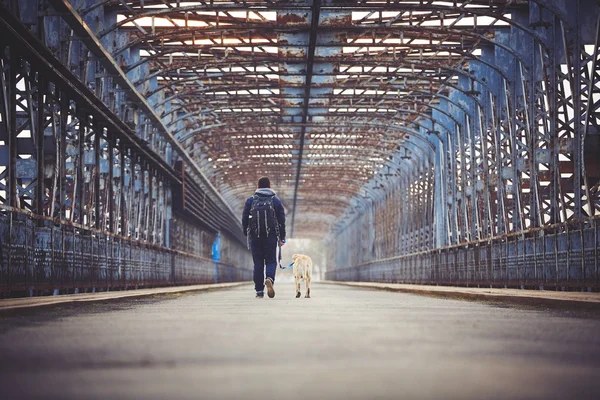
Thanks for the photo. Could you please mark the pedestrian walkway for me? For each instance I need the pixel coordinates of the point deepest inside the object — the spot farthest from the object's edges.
(343, 343)
(41, 301)
(516, 296)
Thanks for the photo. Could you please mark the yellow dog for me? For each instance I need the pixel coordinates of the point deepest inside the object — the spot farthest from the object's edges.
(302, 270)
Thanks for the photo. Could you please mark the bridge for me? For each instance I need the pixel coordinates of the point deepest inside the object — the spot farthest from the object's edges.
(441, 150)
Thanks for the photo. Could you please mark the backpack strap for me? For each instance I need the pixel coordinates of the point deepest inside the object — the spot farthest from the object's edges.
(275, 220)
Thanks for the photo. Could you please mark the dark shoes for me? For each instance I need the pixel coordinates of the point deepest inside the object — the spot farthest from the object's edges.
(269, 285)
(260, 295)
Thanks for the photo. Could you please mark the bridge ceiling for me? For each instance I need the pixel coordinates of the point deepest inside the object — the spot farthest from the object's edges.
(318, 95)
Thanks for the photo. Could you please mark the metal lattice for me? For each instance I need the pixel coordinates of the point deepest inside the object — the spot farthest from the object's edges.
(387, 128)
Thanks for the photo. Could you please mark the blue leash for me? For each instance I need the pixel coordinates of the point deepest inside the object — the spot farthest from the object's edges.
(279, 259)
(289, 266)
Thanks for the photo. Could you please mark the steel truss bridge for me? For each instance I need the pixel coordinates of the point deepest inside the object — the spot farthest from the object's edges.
(444, 142)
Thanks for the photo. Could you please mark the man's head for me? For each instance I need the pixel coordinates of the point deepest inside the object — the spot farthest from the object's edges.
(264, 182)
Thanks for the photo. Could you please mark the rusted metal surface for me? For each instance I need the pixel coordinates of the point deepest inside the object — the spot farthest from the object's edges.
(213, 61)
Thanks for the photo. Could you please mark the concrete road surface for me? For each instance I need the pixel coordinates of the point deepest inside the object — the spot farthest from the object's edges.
(344, 343)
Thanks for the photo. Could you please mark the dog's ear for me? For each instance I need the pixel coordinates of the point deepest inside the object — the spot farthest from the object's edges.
(294, 257)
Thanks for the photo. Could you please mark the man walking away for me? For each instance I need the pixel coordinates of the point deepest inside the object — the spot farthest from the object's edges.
(263, 221)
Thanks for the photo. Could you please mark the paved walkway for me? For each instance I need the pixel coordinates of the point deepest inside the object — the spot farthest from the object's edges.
(42, 301)
(343, 343)
(516, 296)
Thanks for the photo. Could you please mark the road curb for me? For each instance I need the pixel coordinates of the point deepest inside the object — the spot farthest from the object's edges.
(43, 301)
(583, 300)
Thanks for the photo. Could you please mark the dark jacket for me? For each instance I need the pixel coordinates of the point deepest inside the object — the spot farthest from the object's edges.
(279, 211)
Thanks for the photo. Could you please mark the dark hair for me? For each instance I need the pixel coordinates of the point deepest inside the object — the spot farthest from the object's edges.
(264, 182)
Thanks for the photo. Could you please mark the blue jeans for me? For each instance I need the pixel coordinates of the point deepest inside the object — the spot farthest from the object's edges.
(264, 252)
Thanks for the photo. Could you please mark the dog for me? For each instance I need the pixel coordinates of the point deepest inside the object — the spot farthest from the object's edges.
(302, 270)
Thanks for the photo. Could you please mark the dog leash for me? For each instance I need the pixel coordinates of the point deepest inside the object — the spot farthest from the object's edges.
(279, 259)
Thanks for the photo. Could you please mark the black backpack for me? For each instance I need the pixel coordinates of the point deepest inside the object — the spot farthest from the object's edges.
(262, 217)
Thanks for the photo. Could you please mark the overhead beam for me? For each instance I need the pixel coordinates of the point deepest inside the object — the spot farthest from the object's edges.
(85, 34)
(310, 56)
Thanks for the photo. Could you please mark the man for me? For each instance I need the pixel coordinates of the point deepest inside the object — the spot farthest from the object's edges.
(263, 221)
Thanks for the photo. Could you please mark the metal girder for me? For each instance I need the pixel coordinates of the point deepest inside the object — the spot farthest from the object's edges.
(80, 153)
(428, 123)
(515, 202)
(80, 27)
(213, 64)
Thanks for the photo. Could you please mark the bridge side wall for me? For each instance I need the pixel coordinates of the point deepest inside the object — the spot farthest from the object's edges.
(512, 195)
(95, 193)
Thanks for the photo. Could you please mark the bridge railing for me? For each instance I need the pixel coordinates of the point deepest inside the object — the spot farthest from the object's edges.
(563, 256)
(39, 255)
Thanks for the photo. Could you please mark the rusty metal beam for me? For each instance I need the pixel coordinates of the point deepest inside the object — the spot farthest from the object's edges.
(310, 56)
